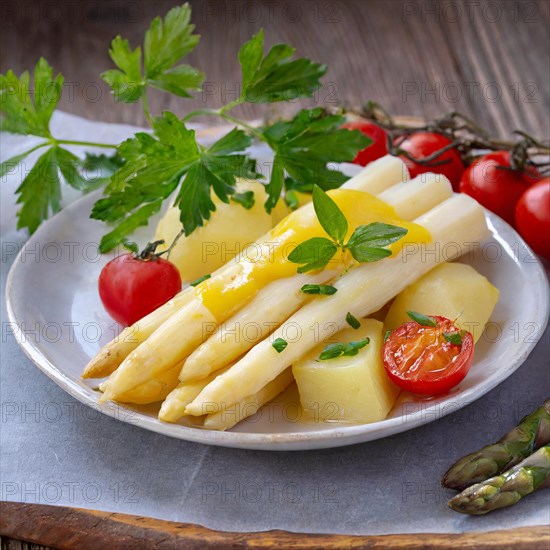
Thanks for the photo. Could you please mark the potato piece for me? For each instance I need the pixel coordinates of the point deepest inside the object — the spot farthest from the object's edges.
(349, 389)
(452, 290)
(229, 230)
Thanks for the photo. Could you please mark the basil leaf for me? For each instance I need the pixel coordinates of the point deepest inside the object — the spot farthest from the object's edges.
(330, 217)
(315, 253)
(366, 254)
(376, 235)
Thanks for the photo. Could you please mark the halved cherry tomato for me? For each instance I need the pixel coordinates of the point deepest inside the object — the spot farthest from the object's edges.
(131, 287)
(421, 360)
(424, 144)
(379, 146)
(533, 217)
(492, 182)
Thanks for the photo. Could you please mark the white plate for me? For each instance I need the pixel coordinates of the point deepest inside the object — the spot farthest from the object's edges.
(60, 323)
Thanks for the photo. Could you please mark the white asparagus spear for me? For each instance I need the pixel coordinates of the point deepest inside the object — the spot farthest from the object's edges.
(173, 409)
(455, 225)
(275, 303)
(375, 178)
(174, 340)
(113, 353)
(187, 328)
(272, 306)
(225, 417)
(154, 390)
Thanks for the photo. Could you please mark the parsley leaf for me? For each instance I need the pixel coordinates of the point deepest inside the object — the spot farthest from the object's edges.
(127, 83)
(39, 193)
(167, 41)
(279, 345)
(352, 321)
(305, 145)
(245, 199)
(291, 200)
(333, 351)
(387, 335)
(421, 319)
(275, 77)
(154, 169)
(9, 165)
(24, 112)
(326, 290)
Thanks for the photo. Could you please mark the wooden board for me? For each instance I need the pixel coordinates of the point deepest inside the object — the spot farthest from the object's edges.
(70, 528)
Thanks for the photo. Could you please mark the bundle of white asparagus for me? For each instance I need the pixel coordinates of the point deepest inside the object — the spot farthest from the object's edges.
(200, 362)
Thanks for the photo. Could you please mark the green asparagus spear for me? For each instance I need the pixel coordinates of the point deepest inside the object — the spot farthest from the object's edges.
(506, 489)
(531, 433)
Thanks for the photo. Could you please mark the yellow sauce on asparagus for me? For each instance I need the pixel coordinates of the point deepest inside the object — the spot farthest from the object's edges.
(268, 262)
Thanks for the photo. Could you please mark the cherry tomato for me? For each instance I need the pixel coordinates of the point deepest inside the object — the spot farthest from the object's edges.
(498, 189)
(421, 360)
(533, 217)
(379, 146)
(424, 144)
(131, 287)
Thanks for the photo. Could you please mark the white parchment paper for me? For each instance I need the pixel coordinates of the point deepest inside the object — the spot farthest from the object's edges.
(56, 451)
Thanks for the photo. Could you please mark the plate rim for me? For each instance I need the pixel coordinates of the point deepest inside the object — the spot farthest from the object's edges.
(287, 441)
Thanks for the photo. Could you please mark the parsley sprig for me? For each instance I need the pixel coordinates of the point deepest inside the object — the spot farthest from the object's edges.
(169, 159)
(366, 244)
(167, 42)
(28, 111)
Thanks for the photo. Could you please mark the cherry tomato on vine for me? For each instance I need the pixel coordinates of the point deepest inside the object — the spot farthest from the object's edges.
(132, 286)
(428, 360)
(533, 217)
(492, 182)
(379, 146)
(421, 145)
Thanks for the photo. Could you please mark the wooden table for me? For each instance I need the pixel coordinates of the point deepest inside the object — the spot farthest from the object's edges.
(487, 59)
(416, 57)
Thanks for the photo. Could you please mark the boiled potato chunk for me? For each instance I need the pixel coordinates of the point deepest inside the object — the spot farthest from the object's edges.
(228, 231)
(452, 290)
(347, 389)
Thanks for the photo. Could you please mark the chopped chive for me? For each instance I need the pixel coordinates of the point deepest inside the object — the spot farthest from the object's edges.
(352, 321)
(455, 337)
(332, 351)
(423, 320)
(200, 280)
(327, 290)
(279, 345)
